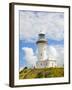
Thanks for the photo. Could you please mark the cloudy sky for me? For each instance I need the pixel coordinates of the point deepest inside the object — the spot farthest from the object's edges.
(31, 23)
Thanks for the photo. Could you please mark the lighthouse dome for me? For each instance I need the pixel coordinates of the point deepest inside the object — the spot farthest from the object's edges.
(42, 32)
(41, 37)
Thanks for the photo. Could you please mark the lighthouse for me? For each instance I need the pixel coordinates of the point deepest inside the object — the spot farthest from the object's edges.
(42, 50)
(43, 60)
(42, 47)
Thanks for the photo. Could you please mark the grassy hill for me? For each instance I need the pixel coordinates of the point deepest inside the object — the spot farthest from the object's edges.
(41, 73)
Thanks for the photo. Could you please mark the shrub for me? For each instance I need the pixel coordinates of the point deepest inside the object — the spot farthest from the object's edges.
(40, 75)
(25, 68)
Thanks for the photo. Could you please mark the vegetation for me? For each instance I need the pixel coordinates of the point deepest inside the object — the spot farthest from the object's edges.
(41, 73)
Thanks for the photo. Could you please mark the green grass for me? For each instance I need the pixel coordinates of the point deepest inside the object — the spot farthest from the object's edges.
(41, 73)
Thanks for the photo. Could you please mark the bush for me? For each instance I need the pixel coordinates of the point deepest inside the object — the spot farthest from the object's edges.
(25, 68)
(40, 75)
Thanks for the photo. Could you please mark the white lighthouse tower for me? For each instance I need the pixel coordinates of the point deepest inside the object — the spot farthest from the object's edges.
(42, 50)
(43, 61)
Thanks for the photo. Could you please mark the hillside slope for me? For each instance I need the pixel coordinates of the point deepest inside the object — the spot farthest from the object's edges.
(41, 73)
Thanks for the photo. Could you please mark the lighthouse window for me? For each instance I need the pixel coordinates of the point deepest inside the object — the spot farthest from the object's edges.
(41, 36)
(41, 64)
(41, 54)
(44, 48)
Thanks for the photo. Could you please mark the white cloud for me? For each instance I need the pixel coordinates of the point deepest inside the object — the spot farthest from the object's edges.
(60, 50)
(57, 53)
(30, 57)
(21, 68)
(54, 52)
(31, 23)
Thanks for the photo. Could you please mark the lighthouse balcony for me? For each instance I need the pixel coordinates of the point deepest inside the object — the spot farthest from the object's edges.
(41, 41)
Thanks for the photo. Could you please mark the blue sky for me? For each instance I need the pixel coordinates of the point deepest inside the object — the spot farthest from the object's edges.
(31, 23)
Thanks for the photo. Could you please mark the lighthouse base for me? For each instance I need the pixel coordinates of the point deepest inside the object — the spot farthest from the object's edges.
(46, 64)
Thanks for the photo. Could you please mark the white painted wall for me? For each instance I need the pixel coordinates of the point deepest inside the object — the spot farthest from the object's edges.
(42, 51)
(4, 45)
(46, 64)
(52, 64)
